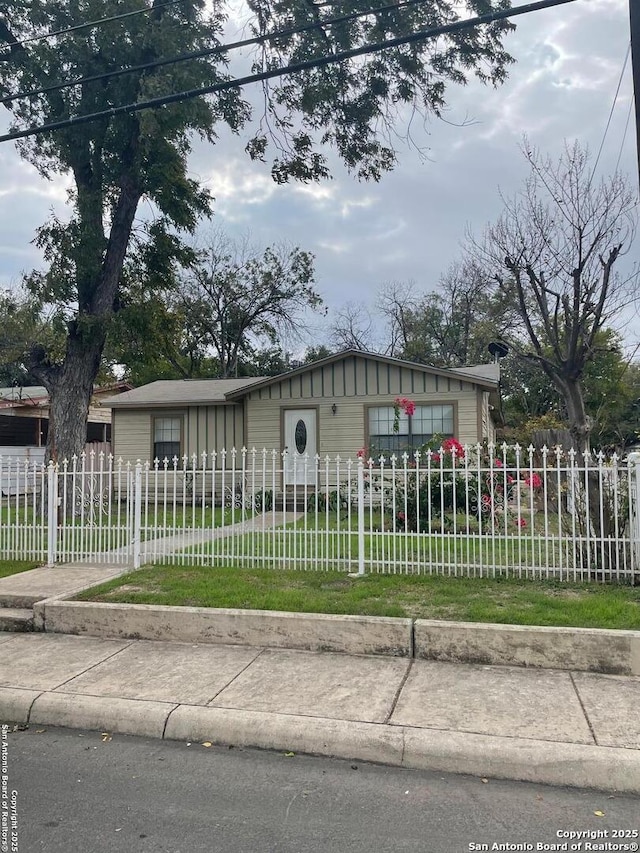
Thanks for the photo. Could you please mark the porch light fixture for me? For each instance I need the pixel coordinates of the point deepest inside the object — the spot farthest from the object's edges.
(334, 409)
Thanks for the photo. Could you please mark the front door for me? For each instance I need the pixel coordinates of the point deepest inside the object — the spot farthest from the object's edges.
(300, 442)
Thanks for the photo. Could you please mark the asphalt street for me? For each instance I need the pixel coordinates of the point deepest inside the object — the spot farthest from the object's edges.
(87, 792)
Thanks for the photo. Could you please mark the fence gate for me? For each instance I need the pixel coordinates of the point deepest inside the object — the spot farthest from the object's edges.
(90, 511)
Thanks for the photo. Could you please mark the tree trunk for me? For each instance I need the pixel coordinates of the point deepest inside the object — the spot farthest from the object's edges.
(579, 422)
(70, 393)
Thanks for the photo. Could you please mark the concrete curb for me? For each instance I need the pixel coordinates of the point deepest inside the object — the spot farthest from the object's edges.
(124, 716)
(382, 744)
(16, 703)
(577, 649)
(39, 605)
(518, 759)
(371, 635)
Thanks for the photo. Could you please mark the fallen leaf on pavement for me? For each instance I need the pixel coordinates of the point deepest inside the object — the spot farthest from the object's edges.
(106, 737)
(40, 731)
(289, 754)
(207, 743)
(484, 780)
(599, 814)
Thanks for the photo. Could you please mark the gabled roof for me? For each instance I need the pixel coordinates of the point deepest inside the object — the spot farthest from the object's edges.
(168, 392)
(485, 375)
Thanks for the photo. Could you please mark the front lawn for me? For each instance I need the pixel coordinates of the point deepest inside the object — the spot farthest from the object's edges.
(12, 567)
(502, 600)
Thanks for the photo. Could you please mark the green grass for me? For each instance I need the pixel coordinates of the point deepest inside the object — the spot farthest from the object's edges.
(499, 600)
(334, 549)
(12, 567)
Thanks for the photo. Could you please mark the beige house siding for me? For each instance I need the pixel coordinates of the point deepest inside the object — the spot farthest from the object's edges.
(345, 432)
(358, 377)
(130, 436)
(205, 428)
(353, 384)
(488, 426)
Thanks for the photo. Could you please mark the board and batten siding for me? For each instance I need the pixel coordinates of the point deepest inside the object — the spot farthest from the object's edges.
(205, 428)
(353, 384)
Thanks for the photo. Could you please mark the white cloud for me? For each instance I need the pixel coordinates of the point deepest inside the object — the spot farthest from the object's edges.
(408, 226)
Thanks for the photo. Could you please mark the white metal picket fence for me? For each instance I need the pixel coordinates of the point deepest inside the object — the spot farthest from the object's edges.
(473, 511)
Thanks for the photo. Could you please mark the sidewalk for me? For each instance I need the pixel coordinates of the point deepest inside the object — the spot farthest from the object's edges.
(549, 726)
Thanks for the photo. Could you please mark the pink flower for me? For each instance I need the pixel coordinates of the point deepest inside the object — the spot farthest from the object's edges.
(401, 516)
(407, 406)
(521, 522)
(451, 445)
(533, 480)
(497, 463)
(486, 501)
(435, 457)
(510, 479)
(362, 453)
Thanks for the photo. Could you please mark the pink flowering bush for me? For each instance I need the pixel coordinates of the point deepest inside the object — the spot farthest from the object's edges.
(448, 483)
(533, 480)
(452, 446)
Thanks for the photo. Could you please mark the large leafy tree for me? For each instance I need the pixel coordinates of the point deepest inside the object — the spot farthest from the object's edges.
(221, 314)
(234, 298)
(117, 161)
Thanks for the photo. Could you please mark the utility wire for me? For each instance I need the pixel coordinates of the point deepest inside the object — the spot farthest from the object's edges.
(624, 135)
(613, 106)
(210, 51)
(293, 68)
(89, 25)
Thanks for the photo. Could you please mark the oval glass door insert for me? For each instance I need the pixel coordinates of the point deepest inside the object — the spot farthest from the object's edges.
(301, 436)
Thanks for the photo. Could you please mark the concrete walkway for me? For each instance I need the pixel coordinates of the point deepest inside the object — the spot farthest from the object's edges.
(190, 538)
(550, 726)
(547, 726)
(25, 588)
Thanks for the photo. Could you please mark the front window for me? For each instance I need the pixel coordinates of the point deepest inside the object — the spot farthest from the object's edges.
(414, 430)
(167, 434)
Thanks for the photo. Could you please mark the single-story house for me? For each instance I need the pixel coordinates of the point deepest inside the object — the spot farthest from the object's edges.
(336, 405)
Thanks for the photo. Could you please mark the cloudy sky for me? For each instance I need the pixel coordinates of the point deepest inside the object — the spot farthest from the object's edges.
(410, 225)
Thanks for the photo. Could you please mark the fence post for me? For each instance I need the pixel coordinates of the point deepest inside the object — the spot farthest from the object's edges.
(52, 514)
(137, 514)
(633, 461)
(360, 482)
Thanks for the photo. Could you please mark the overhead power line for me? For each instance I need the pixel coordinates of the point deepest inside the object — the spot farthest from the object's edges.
(90, 25)
(293, 68)
(613, 106)
(624, 135)
(210, 51)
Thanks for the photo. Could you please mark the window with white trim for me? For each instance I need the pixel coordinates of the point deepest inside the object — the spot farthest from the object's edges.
(414, 430)
(167, 438)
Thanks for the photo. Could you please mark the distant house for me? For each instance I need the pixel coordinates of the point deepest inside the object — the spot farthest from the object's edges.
(336, 405)
(24, 419)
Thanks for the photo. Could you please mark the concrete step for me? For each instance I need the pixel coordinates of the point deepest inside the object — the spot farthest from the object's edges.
(16, 619)
(20, 600)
